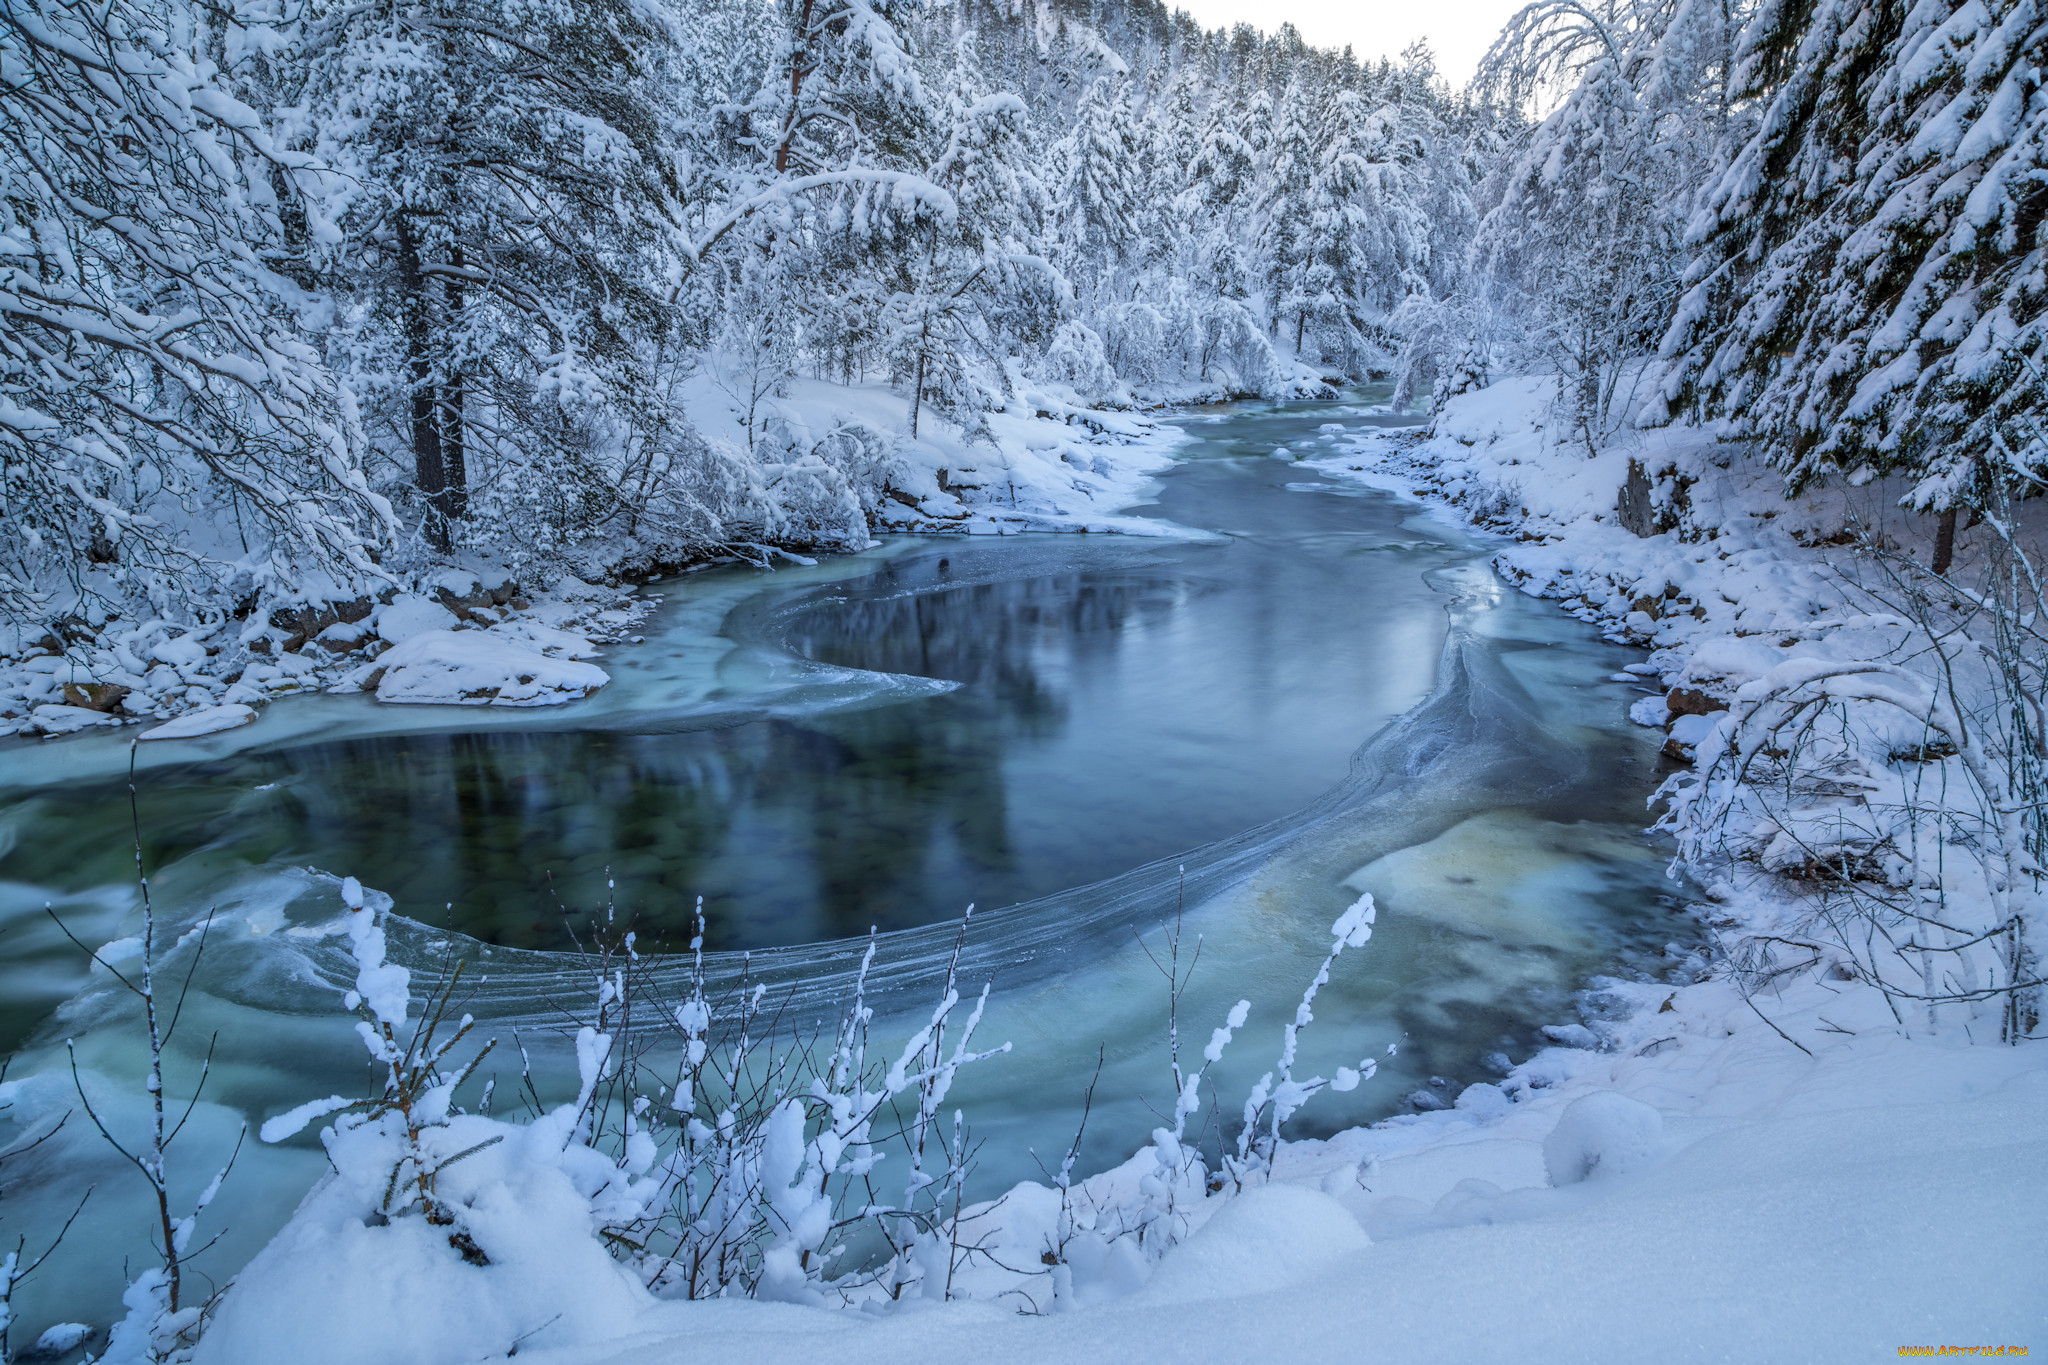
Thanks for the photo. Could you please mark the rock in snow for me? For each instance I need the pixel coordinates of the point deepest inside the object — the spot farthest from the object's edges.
(475, 668)
(58, 719)
(1691, 730)
(1604, 1133)
(1265, 1239)
(412, 615)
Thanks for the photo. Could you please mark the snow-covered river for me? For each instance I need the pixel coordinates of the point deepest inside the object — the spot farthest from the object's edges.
(1305, 688)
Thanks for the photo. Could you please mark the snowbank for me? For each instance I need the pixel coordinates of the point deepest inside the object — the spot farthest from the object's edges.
(1049, 462)
(490, 645)
(1883, 1192)
(333, 1290)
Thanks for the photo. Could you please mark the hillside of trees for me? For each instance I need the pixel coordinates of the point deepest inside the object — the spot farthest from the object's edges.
(294, 297)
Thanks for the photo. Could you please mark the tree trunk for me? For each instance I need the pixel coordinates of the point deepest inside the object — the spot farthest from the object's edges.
(797, 72)
(454, 451)
(917, 390)
(428, 469)
(1944, 542)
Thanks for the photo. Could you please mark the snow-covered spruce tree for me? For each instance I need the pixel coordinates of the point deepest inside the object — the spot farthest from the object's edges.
(1867, 287)
(834, 222)
(502, 214)
(1205, 324)
(1172, 141)
(1445, 337)
(1221, 189)
(1095, 193)
(982, 292)
(167, 436)
(1369, 231)
(1287, 201)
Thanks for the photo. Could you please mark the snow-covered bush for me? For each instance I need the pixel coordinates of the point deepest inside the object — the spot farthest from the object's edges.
(1278, 1095)
(1905, 792)
(1078, 360)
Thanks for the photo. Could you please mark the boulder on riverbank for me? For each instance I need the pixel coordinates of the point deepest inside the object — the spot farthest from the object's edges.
(477, 668)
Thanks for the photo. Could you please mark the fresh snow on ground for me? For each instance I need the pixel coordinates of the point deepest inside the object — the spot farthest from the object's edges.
(1695, 1189)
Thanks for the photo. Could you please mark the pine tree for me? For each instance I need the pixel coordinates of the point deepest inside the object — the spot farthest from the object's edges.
(1289, 183)
(1583, 248)
(984, 290)
(1095, 199)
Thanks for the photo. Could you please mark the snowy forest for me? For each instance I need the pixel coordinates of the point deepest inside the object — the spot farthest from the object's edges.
(448, 352)
(297, 295)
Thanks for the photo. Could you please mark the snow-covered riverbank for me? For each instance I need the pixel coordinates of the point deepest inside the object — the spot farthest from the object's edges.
(485, 632)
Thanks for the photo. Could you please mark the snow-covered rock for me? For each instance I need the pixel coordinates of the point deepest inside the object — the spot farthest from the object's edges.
(1691, 731)
(59, 719)
(412, 615)
(1263, 1239)
(556, 644)
(477, 668)
(1604, 1133)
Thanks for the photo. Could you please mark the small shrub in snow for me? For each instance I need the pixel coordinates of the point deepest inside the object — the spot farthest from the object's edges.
(1274, 1101)
(408, 1120)
(163, 1316)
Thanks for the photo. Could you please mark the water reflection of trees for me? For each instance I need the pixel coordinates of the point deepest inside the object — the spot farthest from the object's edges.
(1000, 638)
(889, 816)
(790, 831)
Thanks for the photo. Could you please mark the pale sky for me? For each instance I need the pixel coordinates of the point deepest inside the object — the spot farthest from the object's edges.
(1459, 31)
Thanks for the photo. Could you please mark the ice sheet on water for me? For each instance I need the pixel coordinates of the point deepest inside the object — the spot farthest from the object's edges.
(212, 720)
(1505, 877)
